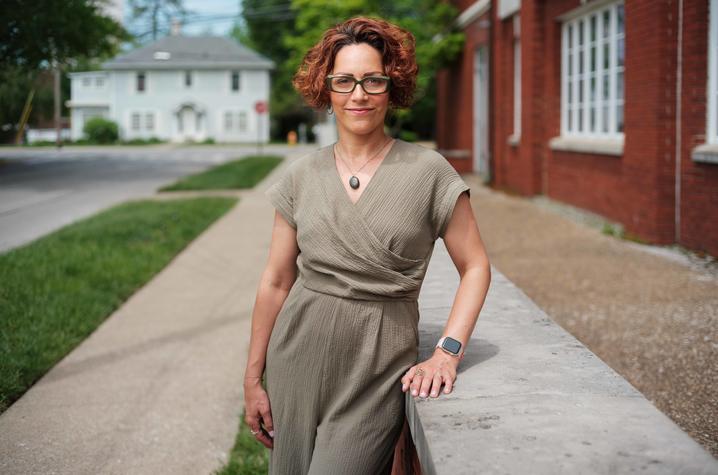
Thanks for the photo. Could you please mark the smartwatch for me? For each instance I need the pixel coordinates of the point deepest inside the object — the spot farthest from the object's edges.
(450, 346)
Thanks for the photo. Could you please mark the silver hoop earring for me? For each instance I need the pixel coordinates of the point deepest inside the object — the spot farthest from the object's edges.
(329, 110)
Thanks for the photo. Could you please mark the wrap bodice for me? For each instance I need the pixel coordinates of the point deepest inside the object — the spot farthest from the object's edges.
(379, 247)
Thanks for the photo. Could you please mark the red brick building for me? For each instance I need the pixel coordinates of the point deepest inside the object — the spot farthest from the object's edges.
(608, 105)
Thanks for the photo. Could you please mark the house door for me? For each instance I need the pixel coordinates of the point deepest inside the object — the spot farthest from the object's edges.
(481, 113)
(188, 123)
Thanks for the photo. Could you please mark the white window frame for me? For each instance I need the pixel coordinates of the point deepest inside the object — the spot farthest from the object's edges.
(712, 93)
(135, 122)
(242, 121)
(149, 121)
(580, 120)
(517, 77)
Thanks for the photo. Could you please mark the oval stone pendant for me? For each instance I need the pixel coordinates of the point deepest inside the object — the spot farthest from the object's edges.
(354, 182)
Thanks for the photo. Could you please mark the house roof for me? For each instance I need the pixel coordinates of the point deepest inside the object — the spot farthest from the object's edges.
(195, 52)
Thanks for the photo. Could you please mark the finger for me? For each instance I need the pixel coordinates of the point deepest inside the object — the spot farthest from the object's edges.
(436, 384)
(406, 379)
(267, 420)
(416, 384)
(449, 384)
(266, 441)
(426, 383)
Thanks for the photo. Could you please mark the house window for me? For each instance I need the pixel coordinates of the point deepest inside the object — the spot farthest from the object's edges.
(140, 82)
(150, 121)
(517, 77)
(135, 123)
(188, 78)
(712, 132)
(228, 121)
(242, 122)
(235, 80)
(99, 82)
(592, 67)
(86, 82)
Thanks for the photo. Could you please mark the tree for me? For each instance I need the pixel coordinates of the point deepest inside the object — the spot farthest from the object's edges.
(33, 34)
(264, 24)
(37, 36)
(154, 11)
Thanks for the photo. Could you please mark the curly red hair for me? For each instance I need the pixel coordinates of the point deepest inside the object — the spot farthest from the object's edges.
(396, 45)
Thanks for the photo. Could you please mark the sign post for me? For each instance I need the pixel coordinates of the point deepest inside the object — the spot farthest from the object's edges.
(260, 108)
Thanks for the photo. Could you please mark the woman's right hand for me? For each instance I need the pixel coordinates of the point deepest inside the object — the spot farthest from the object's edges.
(257, 411)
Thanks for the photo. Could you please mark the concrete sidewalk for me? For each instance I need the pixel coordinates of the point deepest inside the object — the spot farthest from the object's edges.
(157, 388)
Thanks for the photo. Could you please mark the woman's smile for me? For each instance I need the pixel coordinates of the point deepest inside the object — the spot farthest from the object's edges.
(360, 111)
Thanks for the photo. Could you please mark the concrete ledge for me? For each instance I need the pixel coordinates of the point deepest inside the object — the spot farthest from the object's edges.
(530, 398)
(587, 145)
(706, 153)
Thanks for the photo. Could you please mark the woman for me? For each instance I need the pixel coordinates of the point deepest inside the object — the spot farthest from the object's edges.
(335, 323)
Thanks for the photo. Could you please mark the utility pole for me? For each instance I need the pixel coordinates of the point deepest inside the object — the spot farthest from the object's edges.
(56, 93)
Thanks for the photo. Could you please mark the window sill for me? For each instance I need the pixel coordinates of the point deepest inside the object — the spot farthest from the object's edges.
(597, 146)
(514, 140)
(705, 153)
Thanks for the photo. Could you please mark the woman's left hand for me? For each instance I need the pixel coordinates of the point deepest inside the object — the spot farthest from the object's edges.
(429, 375)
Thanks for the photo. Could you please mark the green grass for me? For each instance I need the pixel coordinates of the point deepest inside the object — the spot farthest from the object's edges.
(243, 173)
(56, 290)
(248, 456)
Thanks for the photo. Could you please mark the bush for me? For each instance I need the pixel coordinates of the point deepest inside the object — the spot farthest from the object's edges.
(101, 131)
(408, 136)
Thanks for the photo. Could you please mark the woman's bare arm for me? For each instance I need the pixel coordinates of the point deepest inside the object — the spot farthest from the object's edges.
(277, 280)
(464, 244)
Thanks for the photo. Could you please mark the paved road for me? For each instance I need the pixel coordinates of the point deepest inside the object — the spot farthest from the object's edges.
(44, 189)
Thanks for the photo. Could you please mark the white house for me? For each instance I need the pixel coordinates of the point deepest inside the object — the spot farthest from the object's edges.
(178, 88)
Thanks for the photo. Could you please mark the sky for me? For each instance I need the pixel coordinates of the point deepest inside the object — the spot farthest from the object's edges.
(214, 17)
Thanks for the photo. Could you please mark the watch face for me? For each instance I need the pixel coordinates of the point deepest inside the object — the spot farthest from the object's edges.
(451, 345)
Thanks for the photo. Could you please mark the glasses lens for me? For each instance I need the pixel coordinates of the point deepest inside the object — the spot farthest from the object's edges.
(342, 84)
(375, 85)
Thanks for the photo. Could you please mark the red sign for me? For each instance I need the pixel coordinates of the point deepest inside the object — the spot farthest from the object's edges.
(260, 107)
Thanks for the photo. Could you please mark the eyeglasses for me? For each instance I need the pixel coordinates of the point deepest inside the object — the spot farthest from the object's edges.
(346, 84)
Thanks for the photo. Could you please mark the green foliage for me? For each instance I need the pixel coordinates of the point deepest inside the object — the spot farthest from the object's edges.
(101, 131)
(35, 33)
(58, 289)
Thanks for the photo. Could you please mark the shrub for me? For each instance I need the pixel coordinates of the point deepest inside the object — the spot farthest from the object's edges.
(102, 131)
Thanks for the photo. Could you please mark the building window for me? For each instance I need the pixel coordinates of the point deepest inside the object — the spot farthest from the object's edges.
(228, 121)
(99, 82)
(517, 77)
(188, 78)
(150, 121)
(235, 80)
(712, 132)
(135, 123)
(242, 122)
(592, 67)
(86, 82)
(140, 82)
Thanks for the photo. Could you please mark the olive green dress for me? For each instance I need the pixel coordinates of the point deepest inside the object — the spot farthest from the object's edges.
(348, 329)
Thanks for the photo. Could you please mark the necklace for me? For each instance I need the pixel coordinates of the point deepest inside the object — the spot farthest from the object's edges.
(353, 180)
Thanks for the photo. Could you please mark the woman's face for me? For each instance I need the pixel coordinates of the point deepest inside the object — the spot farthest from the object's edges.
(358, 112)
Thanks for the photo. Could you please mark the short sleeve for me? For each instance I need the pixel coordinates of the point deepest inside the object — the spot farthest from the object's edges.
(448, 185)
(281, 195)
